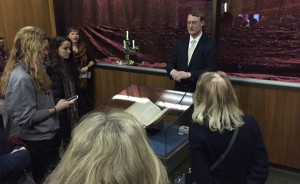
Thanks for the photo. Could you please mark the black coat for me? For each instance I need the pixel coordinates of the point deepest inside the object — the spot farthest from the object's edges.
(204, 59)
(247, 161)
(57, 88)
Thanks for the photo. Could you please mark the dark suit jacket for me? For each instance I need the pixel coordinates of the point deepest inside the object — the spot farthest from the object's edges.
(246, 163)
(204, 59)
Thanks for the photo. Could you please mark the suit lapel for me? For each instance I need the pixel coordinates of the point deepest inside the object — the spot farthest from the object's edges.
(198, 50)
(186, 50)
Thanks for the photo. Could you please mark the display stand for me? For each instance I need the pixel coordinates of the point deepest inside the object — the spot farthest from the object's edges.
(165, 135)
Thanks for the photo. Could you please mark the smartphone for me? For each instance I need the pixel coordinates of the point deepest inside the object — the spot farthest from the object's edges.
(72, 98)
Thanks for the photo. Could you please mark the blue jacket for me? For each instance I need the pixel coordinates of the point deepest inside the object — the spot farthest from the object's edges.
(11, 165)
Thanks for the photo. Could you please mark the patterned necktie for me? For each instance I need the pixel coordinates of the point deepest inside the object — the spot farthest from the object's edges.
(191, 50)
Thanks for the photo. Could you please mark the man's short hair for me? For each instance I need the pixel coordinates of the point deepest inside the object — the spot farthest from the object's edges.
(197, 13)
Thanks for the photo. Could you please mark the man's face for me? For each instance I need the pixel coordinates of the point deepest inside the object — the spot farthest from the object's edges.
(194, 25)
(1, 44)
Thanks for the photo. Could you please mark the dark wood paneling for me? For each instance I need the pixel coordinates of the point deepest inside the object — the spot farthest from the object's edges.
(275, 110)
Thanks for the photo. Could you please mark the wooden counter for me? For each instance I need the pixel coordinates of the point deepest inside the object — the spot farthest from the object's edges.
(275, 105)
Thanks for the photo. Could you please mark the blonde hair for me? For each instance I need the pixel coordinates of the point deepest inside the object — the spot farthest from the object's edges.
(109, 149)
(27, 48)
(215, 101)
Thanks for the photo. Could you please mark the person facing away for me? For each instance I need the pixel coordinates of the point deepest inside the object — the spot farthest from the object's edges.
(216, 115)
(193, 55)
(29, 99)
(109, 149)
(3, 56)
(59, 68)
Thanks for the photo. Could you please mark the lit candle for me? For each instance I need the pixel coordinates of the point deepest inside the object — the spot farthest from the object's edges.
(127, 35)
(133, 45)
(124, 42)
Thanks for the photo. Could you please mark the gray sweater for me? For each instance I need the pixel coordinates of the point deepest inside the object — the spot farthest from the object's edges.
(28, 108)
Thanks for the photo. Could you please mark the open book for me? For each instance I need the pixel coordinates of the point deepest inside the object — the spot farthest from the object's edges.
(146, 113)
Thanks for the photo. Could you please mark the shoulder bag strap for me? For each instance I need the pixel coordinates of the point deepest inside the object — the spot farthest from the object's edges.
(221, 158)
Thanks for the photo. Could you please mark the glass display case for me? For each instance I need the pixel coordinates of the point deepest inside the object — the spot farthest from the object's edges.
(167, 133)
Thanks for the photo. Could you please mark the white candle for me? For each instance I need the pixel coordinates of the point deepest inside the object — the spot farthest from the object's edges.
(124, 43)
(133, 45)
(127, 35)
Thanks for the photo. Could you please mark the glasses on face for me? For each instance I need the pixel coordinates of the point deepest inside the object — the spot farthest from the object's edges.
(192, 22)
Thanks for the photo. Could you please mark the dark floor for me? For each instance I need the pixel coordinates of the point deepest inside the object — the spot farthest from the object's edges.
(282, 175)
(277, 174)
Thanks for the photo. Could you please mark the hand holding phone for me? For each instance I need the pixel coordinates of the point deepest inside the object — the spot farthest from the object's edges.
(72, 98)
(64, 103)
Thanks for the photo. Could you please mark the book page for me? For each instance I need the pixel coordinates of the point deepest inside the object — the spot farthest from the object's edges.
(146, 113)
(160, 114)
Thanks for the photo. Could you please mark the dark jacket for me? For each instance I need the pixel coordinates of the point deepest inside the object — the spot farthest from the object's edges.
(11, 165)
(58, 90)
(3, 60)
(204, 59)
(246, 163)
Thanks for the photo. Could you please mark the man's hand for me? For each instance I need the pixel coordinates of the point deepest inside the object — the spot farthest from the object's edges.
(174, 74)
(184, 75)
(178, 75)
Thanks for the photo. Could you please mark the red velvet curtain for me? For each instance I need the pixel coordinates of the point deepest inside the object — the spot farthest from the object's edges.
(261, 39)
(267, 49)
(154, 25)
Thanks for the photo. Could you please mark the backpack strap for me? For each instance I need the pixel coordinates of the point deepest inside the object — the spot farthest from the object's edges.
(221, 158)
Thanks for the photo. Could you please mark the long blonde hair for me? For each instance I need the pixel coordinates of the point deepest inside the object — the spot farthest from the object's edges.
(215, 101)
(109, 149)
(26, 48)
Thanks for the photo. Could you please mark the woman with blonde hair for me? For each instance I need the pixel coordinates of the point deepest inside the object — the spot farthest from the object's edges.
(28, 98)
(109, 149)
(216, 115)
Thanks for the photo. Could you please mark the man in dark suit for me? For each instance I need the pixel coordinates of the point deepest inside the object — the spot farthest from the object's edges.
(193, 55)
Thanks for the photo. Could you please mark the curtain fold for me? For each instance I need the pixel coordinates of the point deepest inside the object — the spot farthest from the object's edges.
(266, 48)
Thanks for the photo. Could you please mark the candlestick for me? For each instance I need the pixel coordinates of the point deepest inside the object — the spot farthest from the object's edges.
(128, 50)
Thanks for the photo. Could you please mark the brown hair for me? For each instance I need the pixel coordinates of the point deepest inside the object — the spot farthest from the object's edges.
(197, 13)
(72, 29)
